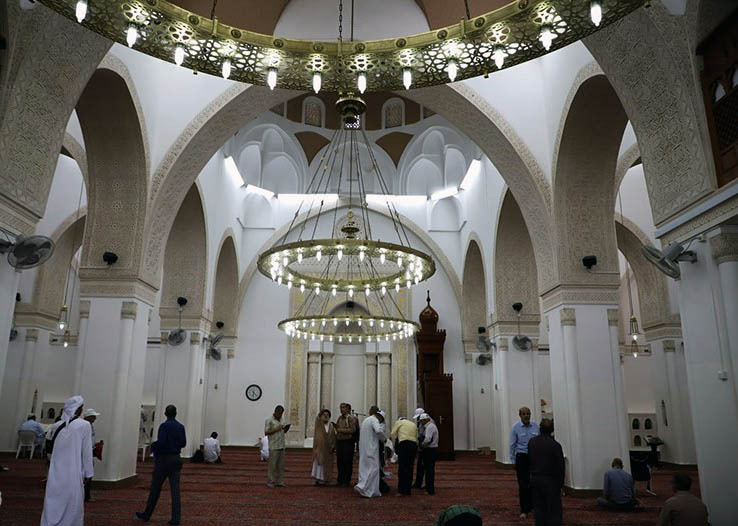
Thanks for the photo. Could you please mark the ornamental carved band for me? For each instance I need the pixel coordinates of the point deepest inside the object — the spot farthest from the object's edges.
(128, 310)
(725, 247)
(669, 346)
(612, 317)
(568, 317)
(31, 335)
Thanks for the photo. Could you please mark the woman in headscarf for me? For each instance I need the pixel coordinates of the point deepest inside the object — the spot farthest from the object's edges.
(324, 447)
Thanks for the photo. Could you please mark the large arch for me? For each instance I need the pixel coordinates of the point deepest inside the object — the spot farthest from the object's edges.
(116, 157)
(460, 105)
(654, 80)
(590, 134)
(474, 293)
(185, 265)
(225, 300)
(42, 86)
(515, 273)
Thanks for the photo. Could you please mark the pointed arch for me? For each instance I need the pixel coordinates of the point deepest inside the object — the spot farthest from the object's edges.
(225, 299)
(474, 292)
(185, 265)
(116, 158)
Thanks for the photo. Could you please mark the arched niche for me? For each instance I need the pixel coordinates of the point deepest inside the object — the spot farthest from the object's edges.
(454, 167)
(515, 274)
(249, 163)
(116, 157)
(185, 265)
(446, 215)
(225, 300)
(424, 178)
(257, 211)
(474, 293)
(280, 175)
(584, 181)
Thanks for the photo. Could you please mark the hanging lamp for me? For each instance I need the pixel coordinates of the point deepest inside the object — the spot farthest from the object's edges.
(634, 332)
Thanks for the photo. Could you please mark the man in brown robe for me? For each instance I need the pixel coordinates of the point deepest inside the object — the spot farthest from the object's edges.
(324, 446)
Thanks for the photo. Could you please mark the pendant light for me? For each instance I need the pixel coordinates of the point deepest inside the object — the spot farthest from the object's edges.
(634, 331)
(63, 323)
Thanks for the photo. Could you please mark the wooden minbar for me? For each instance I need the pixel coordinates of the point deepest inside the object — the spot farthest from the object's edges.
(436, 387)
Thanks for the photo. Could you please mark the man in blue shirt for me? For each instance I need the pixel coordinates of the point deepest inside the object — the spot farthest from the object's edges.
(520, 434)
(32, 425)
(619, 488)
(167, 464)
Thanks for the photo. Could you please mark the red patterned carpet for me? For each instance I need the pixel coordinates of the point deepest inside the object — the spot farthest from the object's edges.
(235, 493)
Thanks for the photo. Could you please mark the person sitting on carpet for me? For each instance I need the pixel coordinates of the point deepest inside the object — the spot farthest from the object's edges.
(211, 449)
(683, 509)
(619, 488)
(324, 446)
(31, 425)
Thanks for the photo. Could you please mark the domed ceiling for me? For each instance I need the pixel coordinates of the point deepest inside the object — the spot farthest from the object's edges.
(263, 17)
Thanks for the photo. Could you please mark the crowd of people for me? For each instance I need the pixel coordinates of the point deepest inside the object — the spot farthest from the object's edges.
(413, 445)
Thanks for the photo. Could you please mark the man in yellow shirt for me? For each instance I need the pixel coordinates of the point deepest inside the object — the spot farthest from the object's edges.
(405, 435)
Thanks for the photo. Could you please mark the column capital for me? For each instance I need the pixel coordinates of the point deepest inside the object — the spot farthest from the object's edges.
(569, 316)
(384, 358)
(327, 358)
(503, 344)
(164, 335)
(31, 335)
(313, 357)
(371, 359)
(195, 338)
(84, 309)
(725, 247)
(613, 317)
(230, 354)
(579, 295)
(468, 357)
(128, 310)
(669, 345)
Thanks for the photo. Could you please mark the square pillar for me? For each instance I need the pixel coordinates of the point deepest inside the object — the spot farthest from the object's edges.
(9, 279)
(587, 387)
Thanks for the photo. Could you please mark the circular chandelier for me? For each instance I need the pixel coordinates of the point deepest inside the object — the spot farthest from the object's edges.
(350, 280)
(520, 31)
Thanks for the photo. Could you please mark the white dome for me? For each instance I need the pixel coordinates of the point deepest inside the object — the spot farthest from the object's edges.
(318, 20)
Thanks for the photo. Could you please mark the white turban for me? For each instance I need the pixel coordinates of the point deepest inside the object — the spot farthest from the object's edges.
(70, 408)
(384, 415)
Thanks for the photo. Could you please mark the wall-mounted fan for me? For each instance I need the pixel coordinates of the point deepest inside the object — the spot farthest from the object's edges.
(667, 261)
(213, 350)
(177, 336)
(484, 344)
(26, 252)
(484, 359)
(520, 342)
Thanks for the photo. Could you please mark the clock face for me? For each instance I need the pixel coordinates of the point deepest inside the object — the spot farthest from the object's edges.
(253, 392)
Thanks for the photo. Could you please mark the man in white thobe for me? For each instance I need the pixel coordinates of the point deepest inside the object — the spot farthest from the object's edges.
(370, 436)
(71, 464)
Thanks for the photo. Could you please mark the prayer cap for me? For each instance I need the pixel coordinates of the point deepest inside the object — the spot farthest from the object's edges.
(424, 416)
(89, 412)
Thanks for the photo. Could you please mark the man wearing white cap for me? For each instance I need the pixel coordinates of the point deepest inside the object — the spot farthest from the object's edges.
(420, 469)
(370, 436)
(71, 464)
(90, 415)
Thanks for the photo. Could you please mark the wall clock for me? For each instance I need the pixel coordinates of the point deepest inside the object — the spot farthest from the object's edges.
(253, 392)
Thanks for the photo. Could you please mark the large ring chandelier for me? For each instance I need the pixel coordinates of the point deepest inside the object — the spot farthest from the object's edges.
(520, 31)
(350, 265)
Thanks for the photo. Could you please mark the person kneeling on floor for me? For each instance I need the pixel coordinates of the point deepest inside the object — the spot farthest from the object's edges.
(618, 491)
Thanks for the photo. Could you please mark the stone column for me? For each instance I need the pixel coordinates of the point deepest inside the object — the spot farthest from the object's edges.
(112, 373)
(469, 366)
(25, 385)
(84, 318)
(384, 381)
(586, 381)
(704, 304)
(313, 391)
(371, 381)
(326, 383)
(8, 287)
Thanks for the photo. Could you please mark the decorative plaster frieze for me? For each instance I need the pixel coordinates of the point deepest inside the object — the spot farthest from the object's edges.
(128, 310)
(669, 345)
(192, 323)
(703, 222)
(502, 344)
(36, 319)
(468, 357)
(195, 338)
(568, 316)
(530, 327)
(117, 288)
(164, 335)
(725, 247)
(613, 316)
(663, 330)
(578, 295)
(84, 309)
(57, 340)
(31, 335)
(15, 218)
(231, 354)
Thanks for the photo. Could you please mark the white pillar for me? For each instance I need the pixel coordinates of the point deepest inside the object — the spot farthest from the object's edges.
(704, 305)
(371, 381)
(112, 374)
(313, 390)
(25, 385)
(84, 319)
(469, 366)
(9, 278)
(587, 386)
(326, 382)
(385, 381)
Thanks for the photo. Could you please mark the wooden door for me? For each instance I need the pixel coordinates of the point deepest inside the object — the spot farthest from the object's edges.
(439, 405)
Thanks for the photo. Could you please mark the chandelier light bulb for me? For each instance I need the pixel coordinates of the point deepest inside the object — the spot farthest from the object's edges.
(333, 290)
(361, 82)
(367, 290)
(317, 290)
(339, 254)
(382, 258)
(317, 81)
(347, 321)
(350, 339)
(66, 344)
(635, 337)
(408, 283)
(62, 325)
(179, 55)
(321, 337)
(285, 261)
(318, 255)
(226, 68)
(330, 339)
(312, 336)
(272, 78)
(407, 78)
(351, 293)
(289, 284)
(335, 322)
(384, 290)
(312, 323)
(635, 354)
(546, 36)
(359, 322)
(452, 69)
(279, 280)
(361, 255)
(340, 339)
(397, 287)
(322, 322)
(369, 339)
(399, 262)
(131, 35)
(302, 288)
(81, 10)
(595, 12)
(381, 324)
(371, 323)
(299, 257)
(359, 339)
(499, 56)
